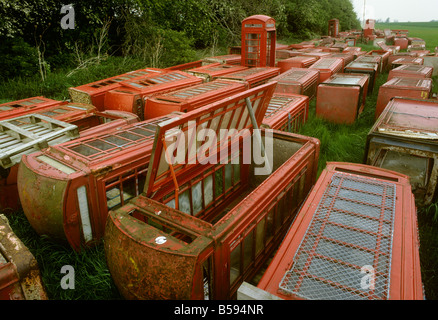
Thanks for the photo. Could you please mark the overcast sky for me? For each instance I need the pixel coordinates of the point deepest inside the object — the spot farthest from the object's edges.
(400, 10)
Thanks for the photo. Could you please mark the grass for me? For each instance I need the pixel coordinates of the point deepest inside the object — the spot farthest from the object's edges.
(92, 277)
(424, 30)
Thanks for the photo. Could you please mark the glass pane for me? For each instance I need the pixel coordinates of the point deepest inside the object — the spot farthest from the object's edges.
(260, 236)
(228, 174)
(234, 264)
(197, 197)
(218, 183)
(184, 202)
(413, 166)
(208, 190)
(247, 250)
(270, 225)
(236, 168)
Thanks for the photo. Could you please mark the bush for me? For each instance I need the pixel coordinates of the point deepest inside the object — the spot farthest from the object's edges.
(17, 58)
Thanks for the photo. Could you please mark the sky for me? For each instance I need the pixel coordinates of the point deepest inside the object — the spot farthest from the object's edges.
(400, 10)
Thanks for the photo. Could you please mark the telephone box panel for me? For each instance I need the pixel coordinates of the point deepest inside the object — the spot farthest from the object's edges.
(296, 62)
(370, 69)
(94, 92)
(21, 107)
(286, 112)
(385, 57)
(299, 81)
(327, 67)
(358, 220)
(211, 71)
(20, 276)
(404, 139)
(188, 99)
(252, 76)
(401, 42)
(230, 59)
(346, 57)
(186, 66)
(372, 59)
(402, 87)
(411, 71)
(258, 41)
(406, 60)
(341, 98)
(130, 96)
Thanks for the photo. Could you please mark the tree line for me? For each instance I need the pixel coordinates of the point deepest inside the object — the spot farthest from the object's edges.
(162, 32)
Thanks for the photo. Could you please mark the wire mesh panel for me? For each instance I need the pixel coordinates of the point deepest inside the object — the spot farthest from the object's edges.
(346, 251)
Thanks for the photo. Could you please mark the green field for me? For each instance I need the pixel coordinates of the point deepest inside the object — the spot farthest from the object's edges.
(338, 143)
(428, 31)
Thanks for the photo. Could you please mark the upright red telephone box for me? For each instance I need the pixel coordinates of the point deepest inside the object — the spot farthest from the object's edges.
(333, 28)
(258, 41)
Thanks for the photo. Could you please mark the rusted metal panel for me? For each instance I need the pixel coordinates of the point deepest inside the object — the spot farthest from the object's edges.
(341, 98)
(211, 71)
(286, 112)
(299, 81)
(370, 69)
(193, 97)
(402, 87)
(21, 107)
(80, 180)
(253, 77)
(296, 62)
(206, 232)
(230, 59)
(358, 221)
(130, 95)
(327, 67)
(20, 277)
(404, 138)
(258, 41)
(406, 60)
(94, 92)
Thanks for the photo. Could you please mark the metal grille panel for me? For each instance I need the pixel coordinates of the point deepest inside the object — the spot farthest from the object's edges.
(351, 230)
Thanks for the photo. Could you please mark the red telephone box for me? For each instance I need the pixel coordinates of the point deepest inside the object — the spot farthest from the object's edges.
(211, 71)
(21, 107)
(286, 112)
(411, 71)
(94, 93)
(341, 98)
(333, 28)
(355, 238)
(296, 62)
(253, 77)
(188, 99)
(258, 41)
(405, 139)
(327, 67)
(200, 229)
(80, 180)
(402, 87)
(130, 95)
(299, 81)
